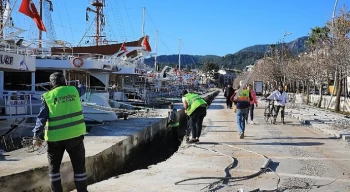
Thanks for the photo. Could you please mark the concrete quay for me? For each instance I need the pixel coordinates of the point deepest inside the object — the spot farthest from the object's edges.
(304, 159)
(108, 149)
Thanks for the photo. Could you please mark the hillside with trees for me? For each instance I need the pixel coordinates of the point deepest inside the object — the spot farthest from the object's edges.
(238, 60)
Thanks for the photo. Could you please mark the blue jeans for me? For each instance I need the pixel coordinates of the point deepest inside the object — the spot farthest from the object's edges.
(241, 117)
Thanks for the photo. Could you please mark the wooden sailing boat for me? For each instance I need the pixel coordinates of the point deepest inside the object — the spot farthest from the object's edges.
(101, 46)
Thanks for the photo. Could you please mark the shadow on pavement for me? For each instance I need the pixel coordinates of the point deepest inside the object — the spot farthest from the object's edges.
(2, 158)
(265, 138)
(277, 143)
(273, 165)
(223, 131)
(210, 126)
(224, 121)
(216, 107)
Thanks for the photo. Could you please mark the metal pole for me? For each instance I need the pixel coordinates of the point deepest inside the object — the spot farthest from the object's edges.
(143, 21)
(336, 67)
(179, 54)
(155, 57)
(41, 17)
(97, 38)
(284, 35)
(5, 22)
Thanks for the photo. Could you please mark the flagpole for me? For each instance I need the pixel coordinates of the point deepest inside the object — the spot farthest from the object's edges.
(9, 16)
(155, 57)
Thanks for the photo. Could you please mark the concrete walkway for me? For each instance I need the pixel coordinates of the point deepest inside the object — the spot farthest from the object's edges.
(304, 159)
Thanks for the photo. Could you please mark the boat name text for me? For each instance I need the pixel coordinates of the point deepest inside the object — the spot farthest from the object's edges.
(6, 60)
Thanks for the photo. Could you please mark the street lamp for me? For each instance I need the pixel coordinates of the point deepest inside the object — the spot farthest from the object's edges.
(284, 35)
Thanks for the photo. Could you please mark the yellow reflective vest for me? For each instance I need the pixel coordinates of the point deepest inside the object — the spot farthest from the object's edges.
(66, 118)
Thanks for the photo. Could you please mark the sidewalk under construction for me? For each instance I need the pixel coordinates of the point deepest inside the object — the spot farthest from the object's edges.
(302, 159)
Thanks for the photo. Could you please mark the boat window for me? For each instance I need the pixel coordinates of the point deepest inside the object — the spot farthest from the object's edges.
(43, 76)
(14, 81)
(96, 84)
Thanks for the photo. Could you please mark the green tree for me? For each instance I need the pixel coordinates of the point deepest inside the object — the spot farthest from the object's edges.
(209, 66)
(340, 50)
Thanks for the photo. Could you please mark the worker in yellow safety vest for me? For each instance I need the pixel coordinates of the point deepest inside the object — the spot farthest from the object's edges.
(173, 123)
(61, 114)
(196, 109)
(242, 103)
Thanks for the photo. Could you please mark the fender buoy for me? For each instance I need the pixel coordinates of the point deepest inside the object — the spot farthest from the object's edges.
(78, 62)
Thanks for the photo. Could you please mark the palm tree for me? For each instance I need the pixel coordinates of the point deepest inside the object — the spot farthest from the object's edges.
(316, 41)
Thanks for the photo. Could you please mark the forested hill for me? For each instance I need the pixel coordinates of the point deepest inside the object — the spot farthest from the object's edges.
(238, 60)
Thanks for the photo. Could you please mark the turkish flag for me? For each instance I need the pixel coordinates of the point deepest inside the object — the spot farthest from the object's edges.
(123, 48)
(146, 45)
(28, 8)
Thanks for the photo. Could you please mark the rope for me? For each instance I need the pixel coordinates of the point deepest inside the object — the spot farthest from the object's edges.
(86, 31)
(70, 26)
(127, 14)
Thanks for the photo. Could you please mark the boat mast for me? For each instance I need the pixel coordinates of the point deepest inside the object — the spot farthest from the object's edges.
(98, 4)
(2, 17)
(41, 18)
(155, 56)
(143, 21)
(179, 54)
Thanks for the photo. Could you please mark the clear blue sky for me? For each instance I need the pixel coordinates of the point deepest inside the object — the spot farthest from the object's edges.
(205, 27)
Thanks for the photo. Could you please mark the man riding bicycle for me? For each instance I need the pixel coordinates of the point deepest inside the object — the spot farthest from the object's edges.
(281, 98)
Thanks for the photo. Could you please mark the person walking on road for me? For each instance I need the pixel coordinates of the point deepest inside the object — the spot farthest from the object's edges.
(61, 114)
(281, 98)
(242, 103)
(196, 108)
(252, 102)
(228, 93)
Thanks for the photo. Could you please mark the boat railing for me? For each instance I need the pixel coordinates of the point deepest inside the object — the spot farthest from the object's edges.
(15, 49)
(15, 104)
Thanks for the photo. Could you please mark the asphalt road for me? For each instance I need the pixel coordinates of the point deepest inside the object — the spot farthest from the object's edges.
(305, 159)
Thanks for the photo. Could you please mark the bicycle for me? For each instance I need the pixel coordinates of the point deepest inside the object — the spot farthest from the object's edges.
(270, 111)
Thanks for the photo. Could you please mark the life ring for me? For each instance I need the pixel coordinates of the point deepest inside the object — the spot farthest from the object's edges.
(105, 41)
(79, 64)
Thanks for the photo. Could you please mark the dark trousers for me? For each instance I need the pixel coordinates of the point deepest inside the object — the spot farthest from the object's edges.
(175, 135)
(228, 102)
(76, 151)
(251, 112)
(196, 121)
(188, 128)
(277, 109)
